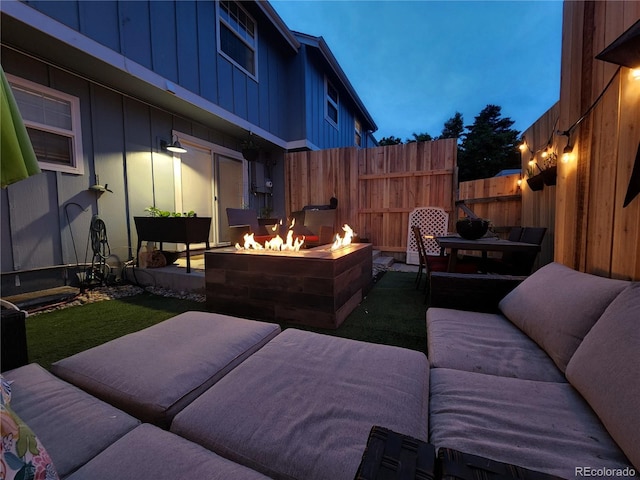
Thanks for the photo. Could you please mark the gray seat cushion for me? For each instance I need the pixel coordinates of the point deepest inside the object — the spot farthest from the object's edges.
(154, 373)
(485, 343)
(72, 425)
(605, 370)
(151, 453)
(544, 426)
(557, 306)
(302, 407)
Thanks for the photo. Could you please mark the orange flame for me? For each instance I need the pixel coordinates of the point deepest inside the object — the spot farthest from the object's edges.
(343, 241)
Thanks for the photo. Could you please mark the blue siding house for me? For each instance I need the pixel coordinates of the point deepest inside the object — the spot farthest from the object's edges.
(105, 86)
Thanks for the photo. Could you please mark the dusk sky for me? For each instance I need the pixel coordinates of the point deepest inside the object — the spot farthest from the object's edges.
(415, 63)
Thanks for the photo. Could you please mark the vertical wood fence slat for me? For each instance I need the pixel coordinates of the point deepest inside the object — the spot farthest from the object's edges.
(376, 188)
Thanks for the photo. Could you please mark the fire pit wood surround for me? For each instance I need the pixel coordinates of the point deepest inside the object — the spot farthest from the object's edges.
(315, 287)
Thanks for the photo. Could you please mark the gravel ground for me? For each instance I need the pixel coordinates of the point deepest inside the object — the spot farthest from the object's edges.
(100, 294)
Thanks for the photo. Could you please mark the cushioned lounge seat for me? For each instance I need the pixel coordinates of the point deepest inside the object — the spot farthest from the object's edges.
(154, 373)
(485, 343)
(302, 406)
(151, 453)
(72, 425)
(511, 420)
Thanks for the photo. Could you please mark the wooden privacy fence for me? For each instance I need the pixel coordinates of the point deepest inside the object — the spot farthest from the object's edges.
(497, 199)
(376, 188)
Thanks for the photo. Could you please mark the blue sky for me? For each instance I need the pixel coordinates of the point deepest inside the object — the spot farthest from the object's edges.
(415, 63)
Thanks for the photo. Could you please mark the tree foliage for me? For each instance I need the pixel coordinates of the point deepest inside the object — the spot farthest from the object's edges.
(453, 127)
(384, 141)
(484, 148)
(420, 137)
(488, 146)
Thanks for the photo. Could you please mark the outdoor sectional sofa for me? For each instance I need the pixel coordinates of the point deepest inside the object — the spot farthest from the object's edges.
(550, 381)
(240, 400)
(204, 395)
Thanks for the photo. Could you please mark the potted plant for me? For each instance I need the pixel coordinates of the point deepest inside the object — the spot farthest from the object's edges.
(250, 150)
(550, 171)
(472, 228)
(535, 180)
(174, 227)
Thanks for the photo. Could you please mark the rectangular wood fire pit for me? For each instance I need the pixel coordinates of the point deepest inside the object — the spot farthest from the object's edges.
(315, 287)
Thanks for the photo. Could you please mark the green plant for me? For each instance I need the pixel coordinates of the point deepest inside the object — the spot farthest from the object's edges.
(156, 212)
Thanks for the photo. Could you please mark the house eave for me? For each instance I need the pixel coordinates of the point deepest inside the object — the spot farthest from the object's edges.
(34, 34)
(320, 44)
(279, 24)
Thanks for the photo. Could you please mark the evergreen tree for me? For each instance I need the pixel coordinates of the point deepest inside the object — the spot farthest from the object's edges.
(453, 127)
(420, 137)
(389, 141)
(488, 146)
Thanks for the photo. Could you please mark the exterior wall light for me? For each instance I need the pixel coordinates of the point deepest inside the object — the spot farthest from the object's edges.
(174, 147)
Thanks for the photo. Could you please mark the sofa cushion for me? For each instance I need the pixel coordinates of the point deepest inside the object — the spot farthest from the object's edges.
(151, 453)
(557, 306)
(605, 370)
(152, 374)
(543, 426)
(303, 406)
(485, 343)
(73, 425)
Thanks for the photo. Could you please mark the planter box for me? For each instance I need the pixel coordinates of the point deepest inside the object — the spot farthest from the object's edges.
(536, 183)
(550, 175)
(185, 230)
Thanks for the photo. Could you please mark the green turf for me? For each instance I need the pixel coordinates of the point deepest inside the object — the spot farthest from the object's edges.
(393, 313)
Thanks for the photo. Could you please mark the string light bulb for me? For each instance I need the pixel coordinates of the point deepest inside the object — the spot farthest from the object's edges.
(635, 73)
(566, 153)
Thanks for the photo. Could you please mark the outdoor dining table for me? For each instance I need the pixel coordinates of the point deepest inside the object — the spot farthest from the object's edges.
(454, 243)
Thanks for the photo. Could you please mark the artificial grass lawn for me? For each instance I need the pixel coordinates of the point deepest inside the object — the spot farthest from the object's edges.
(393, 313)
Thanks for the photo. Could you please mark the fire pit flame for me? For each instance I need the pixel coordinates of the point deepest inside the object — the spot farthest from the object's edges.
(275, 244)
(343, 241)
(292, 244)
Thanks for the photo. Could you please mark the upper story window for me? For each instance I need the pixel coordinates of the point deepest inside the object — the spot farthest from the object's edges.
(331, 104)
(238, 37)
(52, 119)
(358, 132)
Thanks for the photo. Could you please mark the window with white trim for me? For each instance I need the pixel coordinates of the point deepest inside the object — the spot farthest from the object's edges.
(52, 119)
(331, 104)
(358, 132)
(237, 36)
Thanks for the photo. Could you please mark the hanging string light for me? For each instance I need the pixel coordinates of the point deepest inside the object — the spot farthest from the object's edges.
(568, 149)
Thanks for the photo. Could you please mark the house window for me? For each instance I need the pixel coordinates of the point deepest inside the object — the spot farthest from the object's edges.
(237, 39)
(358, 132)
(52, 119)
(331, 108)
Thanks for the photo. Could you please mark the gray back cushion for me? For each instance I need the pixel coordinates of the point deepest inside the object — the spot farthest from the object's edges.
(557, 306)
(605, 370)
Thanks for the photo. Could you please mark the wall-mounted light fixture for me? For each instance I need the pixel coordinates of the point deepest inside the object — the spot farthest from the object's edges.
(174, 147)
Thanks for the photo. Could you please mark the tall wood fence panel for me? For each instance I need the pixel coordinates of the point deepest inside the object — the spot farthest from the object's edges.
(539, 207)
(594, 231)
(497, 199)
(376, 188)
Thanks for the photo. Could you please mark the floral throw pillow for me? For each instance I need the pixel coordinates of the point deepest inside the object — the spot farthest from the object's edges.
(22, 455)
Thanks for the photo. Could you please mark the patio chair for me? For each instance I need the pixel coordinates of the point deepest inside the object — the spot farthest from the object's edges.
(433, 263)
(517, 263)
(241, 218)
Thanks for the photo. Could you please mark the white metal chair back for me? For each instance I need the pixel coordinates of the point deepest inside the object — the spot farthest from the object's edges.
(433, 222)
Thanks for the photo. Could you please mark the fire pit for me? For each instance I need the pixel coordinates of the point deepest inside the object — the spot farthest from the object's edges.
(317, 287)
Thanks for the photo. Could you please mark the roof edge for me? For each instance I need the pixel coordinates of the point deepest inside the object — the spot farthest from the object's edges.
(321, 44)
